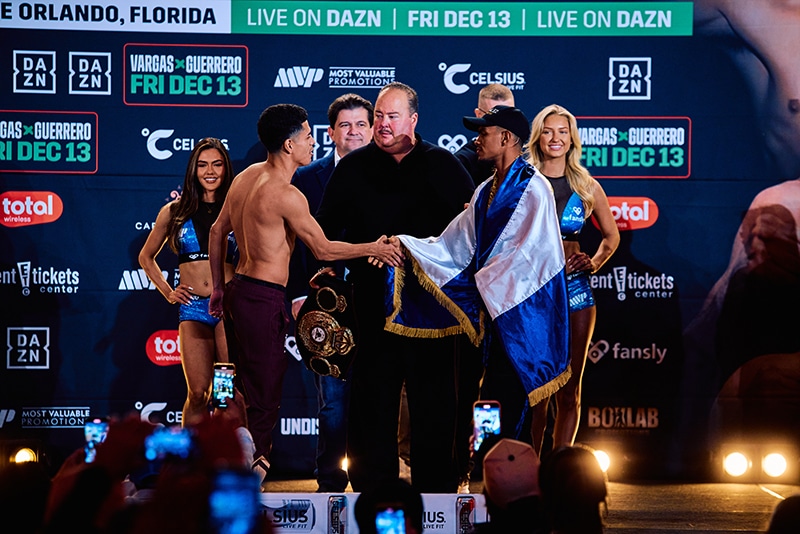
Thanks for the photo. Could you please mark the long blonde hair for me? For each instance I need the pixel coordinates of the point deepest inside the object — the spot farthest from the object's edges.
(578, 176)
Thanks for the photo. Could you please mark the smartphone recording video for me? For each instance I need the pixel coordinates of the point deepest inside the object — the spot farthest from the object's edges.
(222, 388)
(168, 441)
(390, 521)
(234, 502)
(485, 420)
(95, 431)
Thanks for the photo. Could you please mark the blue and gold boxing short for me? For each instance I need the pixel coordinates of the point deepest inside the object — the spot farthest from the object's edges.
(197, 310)
(579, 291)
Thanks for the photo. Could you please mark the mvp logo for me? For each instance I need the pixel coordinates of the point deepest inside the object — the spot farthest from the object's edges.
(26, 208)
(298, 76)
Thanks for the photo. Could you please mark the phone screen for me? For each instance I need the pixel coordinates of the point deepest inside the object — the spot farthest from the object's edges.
(390, 521)
(234, 502)
(222, 390)
(165, 441)
(486, 421)
(95, 432)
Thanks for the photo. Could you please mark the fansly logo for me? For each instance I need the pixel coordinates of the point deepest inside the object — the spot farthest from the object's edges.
(638, 285)
(601, 347)
(157, 413)
(160, 141)
(48, 280)
(622, 417)
(466, 78)
(452, 143)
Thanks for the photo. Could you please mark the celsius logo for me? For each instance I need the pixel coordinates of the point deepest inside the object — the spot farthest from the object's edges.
(155, 137)
(290, 345)
(452, 70)
(513, 80)
(26, 208)
(295, 515)
(453, 144)
(633, 213)
(642, 286)
(298, 76)
(147, 411)
(178, 144)
(600, 348)
(163, 348)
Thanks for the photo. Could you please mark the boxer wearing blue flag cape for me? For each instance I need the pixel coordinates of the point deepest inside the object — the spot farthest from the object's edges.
(501, 257)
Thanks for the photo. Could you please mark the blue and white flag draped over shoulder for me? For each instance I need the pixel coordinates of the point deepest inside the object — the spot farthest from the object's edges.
(507, 260)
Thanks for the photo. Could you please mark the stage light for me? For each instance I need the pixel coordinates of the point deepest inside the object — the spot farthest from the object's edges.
(345, 463)
(736, 464)
(603, 459)
(23, 454)
(774, 465)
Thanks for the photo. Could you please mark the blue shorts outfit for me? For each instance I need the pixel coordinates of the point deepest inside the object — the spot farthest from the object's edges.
(197, 310)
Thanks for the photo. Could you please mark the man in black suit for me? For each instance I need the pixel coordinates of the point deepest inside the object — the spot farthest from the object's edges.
(350, 126)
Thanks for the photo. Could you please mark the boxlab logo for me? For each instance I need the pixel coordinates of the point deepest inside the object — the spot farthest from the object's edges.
(601, 347)
(137, 280)
(48, 280)
(298, 76)
(34, 71)
(454, 143)
(90, 73)
(629, 78)
(26, 208)
(622, 417)
(361, 77)
(28, 347)
(297, 515)
(163, 348)
(6, 416)
(513, 80)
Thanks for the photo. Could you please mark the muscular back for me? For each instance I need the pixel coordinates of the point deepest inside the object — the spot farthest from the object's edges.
(258, 202)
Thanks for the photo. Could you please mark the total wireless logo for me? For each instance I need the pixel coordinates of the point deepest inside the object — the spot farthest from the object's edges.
(26, 208)
(162, 145)
(458, 78)
(163, 348)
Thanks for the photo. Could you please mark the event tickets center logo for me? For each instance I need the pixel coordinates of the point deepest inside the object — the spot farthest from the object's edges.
(26, 208)
(632, 283)
(467, 78)
(185, 75)
(43, 280)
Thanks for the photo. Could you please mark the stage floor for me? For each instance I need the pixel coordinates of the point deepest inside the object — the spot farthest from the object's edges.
(662, 507)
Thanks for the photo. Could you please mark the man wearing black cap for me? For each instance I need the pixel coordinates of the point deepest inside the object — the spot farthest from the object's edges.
(498, 270)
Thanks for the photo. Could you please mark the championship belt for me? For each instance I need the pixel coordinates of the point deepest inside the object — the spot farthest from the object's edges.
(326, 328)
